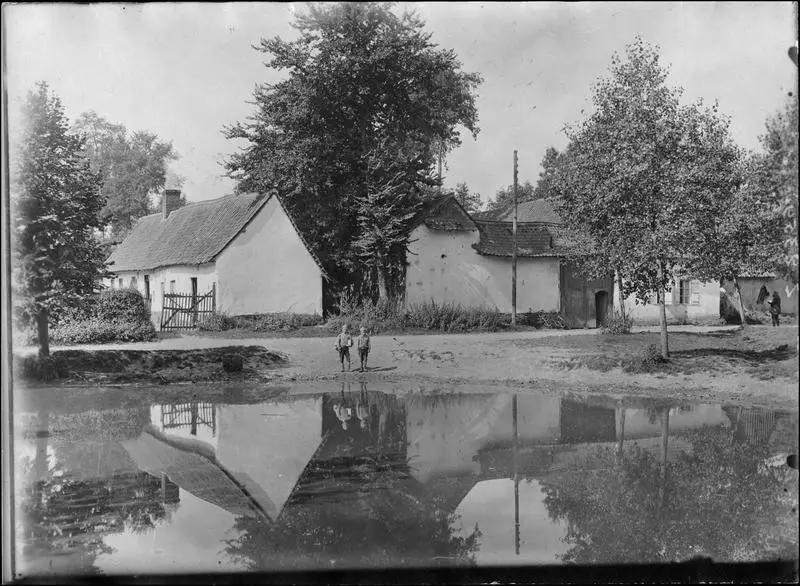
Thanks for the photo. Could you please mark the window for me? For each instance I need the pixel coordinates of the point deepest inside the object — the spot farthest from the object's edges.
(172, 286)
(133, 282)
(689, 292)
(147, 287)
(120, 283)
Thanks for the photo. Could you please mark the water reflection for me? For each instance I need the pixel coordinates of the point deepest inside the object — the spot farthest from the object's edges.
(362, 478)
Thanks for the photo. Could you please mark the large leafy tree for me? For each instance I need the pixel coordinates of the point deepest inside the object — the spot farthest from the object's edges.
(643, 174)
(56, 204)
(778, 181)
(133, 168)
(504, 197)
(366, 105)
(469, 200)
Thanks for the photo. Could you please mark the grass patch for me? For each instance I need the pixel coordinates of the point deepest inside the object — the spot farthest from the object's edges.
(763, 352)
(260, 322)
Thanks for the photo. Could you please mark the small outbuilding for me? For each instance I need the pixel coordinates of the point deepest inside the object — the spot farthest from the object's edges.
(239, 254)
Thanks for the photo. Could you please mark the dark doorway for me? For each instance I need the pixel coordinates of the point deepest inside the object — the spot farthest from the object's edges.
(601, 307)
(147, 288)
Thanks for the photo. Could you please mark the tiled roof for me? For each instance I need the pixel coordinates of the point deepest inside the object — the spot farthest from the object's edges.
(191, 235)
(444, 213)
(533, 239)
(536, 210)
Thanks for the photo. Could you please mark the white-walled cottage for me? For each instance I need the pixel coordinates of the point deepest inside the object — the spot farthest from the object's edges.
(455, 258)
(244, 248)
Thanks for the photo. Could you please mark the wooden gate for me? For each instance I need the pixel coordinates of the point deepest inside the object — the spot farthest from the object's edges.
(184, 311)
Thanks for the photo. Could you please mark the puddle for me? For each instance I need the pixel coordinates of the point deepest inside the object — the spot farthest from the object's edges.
(362, 477)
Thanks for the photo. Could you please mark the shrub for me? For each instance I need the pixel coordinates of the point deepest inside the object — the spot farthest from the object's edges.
(260, 322)
(542, 319)
(618, 324)
(121, 304)
(116, 315)
(649, 360)
(444, 317)
(217, 322)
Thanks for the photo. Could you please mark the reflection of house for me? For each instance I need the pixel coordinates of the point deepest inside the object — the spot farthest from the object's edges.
(245, 247)
(191, 465)
(455, 258)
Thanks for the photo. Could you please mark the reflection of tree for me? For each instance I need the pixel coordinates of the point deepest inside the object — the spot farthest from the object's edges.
(717, 505)
(356, 503)
(90, 489)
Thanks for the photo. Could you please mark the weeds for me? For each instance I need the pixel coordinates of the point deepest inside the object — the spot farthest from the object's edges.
(260, 322)
(618, 324)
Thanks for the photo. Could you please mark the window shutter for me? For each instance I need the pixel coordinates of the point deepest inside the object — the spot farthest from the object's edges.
(694, 292)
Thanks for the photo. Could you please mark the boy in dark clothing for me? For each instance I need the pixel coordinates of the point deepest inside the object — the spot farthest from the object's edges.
(343, 343)
(775, 309)
(363, 348)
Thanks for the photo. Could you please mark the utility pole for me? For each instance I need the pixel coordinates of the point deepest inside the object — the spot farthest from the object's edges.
(514, 251)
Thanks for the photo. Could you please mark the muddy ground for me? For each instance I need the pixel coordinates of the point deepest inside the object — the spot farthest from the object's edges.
(756, 367)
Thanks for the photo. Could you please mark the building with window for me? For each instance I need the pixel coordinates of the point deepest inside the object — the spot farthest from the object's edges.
(244, 250)
(689, 301)
(456, 258)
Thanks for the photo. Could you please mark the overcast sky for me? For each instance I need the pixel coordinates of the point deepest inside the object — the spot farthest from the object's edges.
(184, 71)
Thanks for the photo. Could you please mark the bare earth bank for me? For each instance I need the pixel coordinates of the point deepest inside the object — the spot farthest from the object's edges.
(756, 367)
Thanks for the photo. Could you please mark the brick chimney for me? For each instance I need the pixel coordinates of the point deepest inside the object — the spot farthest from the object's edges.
(170, 202)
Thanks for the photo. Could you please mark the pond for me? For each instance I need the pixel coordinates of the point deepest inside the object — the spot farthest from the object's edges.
(358, 476)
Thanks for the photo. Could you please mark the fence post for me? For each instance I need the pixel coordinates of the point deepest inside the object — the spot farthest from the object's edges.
(213, 298)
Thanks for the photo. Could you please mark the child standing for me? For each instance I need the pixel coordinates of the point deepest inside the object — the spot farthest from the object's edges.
(363, 347)
(343, 343)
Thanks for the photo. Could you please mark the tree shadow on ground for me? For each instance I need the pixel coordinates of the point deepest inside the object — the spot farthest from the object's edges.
(779, 353)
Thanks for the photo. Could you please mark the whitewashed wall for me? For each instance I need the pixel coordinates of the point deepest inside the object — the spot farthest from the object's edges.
(444, 266)
(267, 269)
(706, 308)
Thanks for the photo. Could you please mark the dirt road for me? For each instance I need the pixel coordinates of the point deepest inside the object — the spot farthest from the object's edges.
(534, 359)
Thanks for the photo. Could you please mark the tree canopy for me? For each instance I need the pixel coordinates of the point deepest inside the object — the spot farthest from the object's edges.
(643, 176)
(56, 202)
(132, 167)
(366, 105)
(469, 200)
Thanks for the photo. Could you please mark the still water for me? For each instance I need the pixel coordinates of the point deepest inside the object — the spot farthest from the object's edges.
(362, 477)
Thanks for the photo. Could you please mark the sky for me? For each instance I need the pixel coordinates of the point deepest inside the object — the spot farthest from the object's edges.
(184, 71)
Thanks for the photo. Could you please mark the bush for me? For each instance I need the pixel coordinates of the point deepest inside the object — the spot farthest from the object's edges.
(121, 304)
(542, 319)
(386, 316)
(218, 322)
(649, 360)
(116, 315)
(618, 324)
(260, 322)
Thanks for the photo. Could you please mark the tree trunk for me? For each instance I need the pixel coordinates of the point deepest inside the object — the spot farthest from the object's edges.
(662, 311)
(739, 300)
(620, 294)
(43, 333)
(383, 294)
(664, 452)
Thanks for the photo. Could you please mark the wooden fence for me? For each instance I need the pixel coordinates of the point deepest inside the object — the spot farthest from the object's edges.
(184, 311)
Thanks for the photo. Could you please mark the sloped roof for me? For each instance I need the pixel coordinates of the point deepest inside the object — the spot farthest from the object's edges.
(444, 213)
(533, 239)
(536, 210)
(191, 235)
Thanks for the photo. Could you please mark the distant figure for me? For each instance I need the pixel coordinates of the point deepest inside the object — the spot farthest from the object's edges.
(775, 309)
(763, 295)
(363, 347)
(343, 343)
